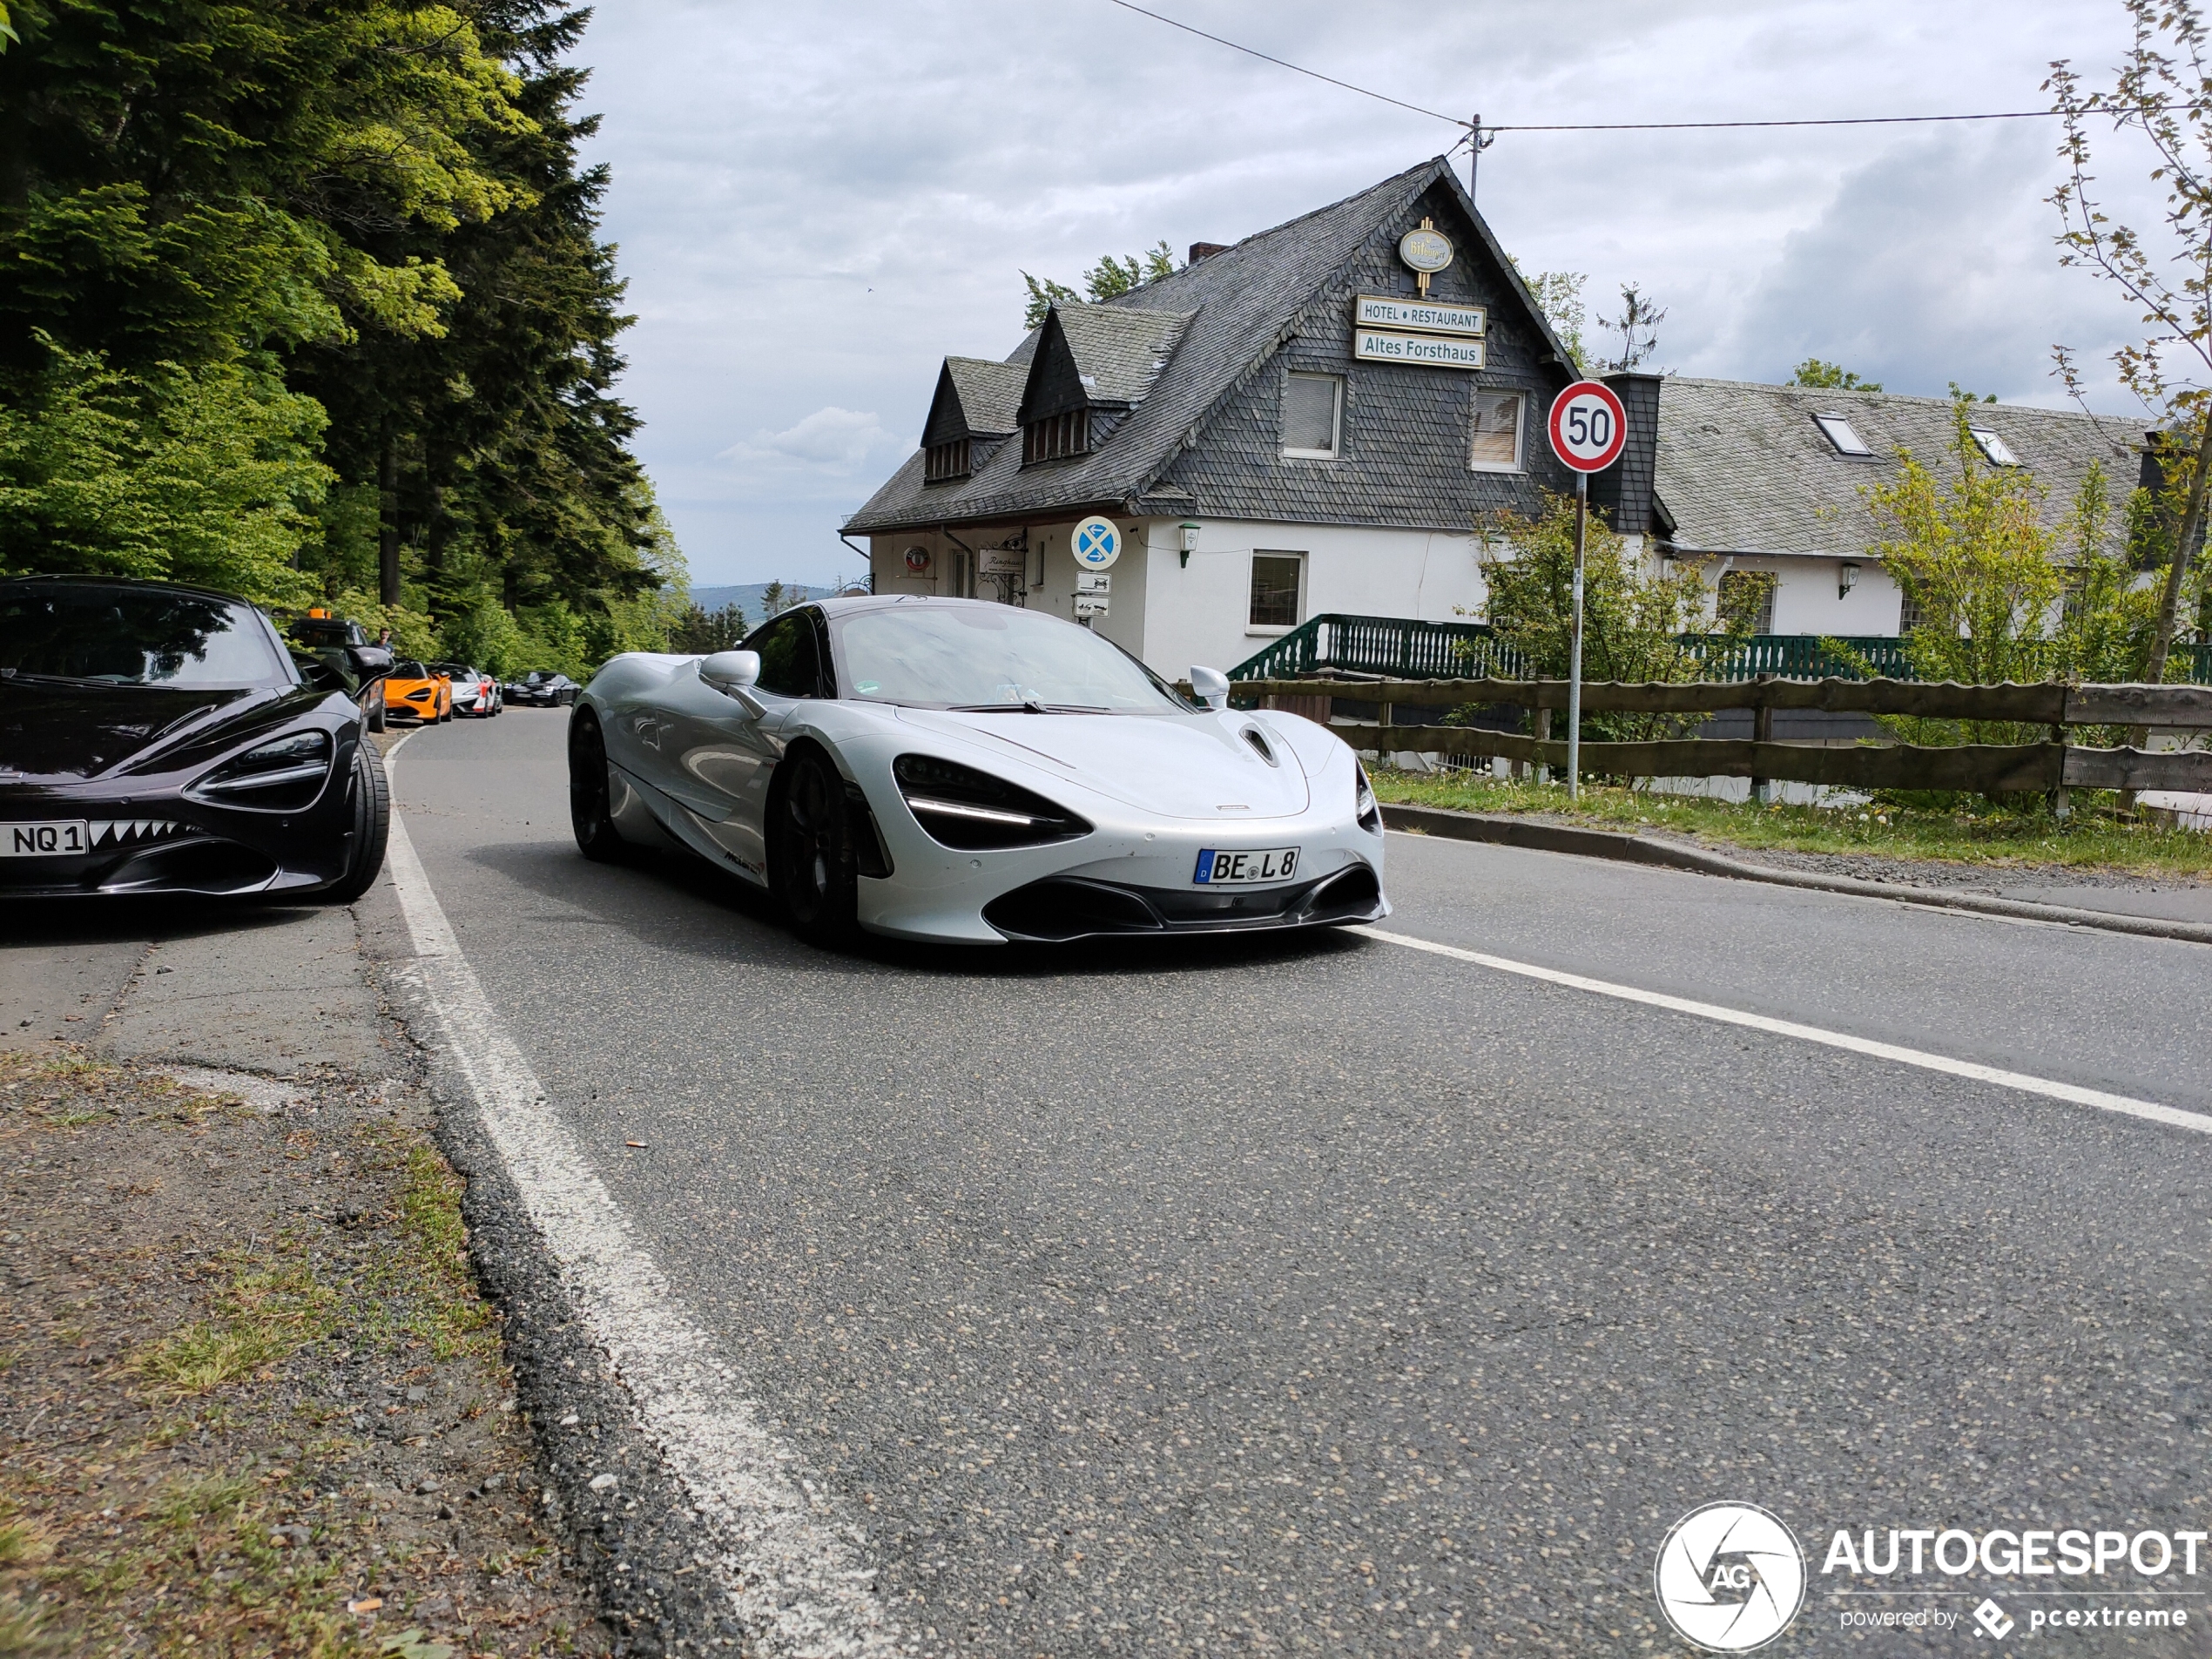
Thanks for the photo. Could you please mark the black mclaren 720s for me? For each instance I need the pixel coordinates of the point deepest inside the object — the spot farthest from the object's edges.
(163, 739)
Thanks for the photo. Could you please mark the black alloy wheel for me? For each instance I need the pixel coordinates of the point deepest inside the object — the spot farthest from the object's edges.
(812, 869)
(590, 804)
(370, 796)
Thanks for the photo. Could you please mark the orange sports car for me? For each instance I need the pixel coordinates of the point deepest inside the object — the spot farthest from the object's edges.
(415, 691)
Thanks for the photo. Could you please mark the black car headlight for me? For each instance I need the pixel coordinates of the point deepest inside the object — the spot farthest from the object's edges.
(281, 775)
(1362, 801)
(971, 810)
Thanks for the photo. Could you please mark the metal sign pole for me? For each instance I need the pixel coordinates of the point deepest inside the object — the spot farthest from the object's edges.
(1574, 667)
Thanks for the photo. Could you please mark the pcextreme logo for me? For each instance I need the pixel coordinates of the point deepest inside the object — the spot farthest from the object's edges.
(1730, 1577)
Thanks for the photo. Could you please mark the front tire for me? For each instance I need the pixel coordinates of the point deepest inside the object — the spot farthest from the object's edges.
(590, 802)
(372, 804)
(812, 869)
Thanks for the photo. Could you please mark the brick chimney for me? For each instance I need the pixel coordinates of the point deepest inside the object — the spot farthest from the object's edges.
(1206, 250)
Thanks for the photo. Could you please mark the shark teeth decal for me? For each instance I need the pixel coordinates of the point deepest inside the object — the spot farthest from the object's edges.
(129, 832)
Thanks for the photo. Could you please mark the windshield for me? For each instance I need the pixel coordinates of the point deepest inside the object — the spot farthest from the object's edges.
(984, 656)
(135, 636)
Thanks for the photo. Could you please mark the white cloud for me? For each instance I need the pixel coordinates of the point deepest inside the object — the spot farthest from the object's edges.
(815, 204)
(830, 440)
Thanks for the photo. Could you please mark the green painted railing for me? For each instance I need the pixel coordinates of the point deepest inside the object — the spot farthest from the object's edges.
(1400, 649)
(1385, 645)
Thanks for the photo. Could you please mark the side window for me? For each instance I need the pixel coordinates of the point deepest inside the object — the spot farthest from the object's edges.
(1496, 445)
(791, 663)
(1275, 597)
(1313, 415)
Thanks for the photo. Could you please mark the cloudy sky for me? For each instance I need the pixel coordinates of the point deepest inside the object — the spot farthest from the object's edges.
(817, 201)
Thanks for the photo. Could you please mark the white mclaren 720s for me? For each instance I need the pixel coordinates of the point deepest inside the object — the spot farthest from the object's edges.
(961, 771)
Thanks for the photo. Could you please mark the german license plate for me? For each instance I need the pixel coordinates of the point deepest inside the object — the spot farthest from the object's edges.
(1237, 869)
(57, 838)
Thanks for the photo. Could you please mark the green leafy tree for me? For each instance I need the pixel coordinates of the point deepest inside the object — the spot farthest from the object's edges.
(1044, 294)
(1108, 280)
(370, 219)
(1832, 377)
(1559, 295)
(1643, 620)
(707, 631)
(209, 473)
(2163, 90)
(2000, 595)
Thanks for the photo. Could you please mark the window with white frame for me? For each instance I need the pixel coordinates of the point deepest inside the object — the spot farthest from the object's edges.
(1495, 444)
(1312, 416)
(1278, 590)
(1998, 452)
(1840, 432)
(1747, 600)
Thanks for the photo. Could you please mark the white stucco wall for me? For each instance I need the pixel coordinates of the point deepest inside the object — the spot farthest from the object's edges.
(1805, 599)
(1173, 616)
(1200, 613)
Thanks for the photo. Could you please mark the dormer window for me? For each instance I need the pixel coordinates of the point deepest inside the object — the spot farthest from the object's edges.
(1994, 448)
(1056, 436)
(943, 462)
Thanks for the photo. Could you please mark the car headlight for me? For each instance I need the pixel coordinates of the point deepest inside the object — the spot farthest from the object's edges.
(1362, 801)
(970, 810)
(280, 776)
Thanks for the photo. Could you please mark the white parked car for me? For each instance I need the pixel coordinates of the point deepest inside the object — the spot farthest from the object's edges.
(474, 693)
(958, 770)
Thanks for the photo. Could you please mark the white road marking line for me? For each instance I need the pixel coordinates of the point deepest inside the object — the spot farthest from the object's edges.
(2072, 1093)
(792, 1567)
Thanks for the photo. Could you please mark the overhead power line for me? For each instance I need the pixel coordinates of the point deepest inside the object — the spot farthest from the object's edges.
(1486, 127)
(1296, 69)
(1806, 121)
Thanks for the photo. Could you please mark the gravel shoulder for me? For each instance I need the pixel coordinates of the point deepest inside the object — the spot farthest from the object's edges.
(255, 1401)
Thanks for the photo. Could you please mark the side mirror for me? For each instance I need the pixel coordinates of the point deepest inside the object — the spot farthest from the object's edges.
(321, 676)
(1210, 687)
(732, 669)
(370, 662)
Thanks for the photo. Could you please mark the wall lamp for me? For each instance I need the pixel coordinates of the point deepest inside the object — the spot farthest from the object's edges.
(1846, 579)
(1190, 542)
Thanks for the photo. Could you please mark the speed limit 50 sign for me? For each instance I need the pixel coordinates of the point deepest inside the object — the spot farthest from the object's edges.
(1588, 426)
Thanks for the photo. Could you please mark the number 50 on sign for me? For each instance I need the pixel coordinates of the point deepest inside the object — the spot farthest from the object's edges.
(1588, 426)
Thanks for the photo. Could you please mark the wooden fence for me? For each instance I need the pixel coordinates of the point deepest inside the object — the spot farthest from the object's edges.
(2051, 767)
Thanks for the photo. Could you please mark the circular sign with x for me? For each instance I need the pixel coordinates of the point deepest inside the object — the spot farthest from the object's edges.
(1095, 544)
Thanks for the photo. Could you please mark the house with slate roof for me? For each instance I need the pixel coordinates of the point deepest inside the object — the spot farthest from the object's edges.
(1772, 478)
(1302, 424)
(1261, 470)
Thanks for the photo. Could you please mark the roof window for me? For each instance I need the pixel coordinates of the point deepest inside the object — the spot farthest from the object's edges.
(1998, 452)
(1841, 434)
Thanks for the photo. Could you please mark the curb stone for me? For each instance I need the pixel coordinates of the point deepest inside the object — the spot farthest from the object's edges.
(1504, 831)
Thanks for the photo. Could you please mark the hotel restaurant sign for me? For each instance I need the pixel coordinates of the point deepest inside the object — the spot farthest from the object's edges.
(1436, 332)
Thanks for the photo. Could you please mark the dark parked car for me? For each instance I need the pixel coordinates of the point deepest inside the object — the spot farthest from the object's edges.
(542, 688)
(341, 646)
(159, 738)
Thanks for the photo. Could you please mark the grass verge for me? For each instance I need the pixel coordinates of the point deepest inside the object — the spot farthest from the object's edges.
(2094, 838)
(251, 1400)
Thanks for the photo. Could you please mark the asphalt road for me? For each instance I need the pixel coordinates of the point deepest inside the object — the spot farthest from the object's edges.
(1331, 1297)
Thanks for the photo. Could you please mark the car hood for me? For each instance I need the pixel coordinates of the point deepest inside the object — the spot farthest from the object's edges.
(1195, 765)
(61, 731)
